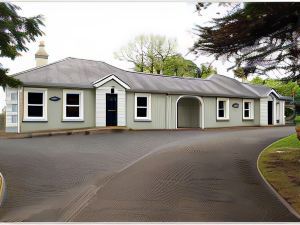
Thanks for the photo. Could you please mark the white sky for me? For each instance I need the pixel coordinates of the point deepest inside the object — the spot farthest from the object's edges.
(95, 30)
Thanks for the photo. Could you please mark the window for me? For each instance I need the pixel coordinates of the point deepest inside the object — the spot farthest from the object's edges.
(35, 104)
(14, 108)
(143, 107)
(14, 119)
(248, 109)
(14, 96)
(73, 105)
(222, 108)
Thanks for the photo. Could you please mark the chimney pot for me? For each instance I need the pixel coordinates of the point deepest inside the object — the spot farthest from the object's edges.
(41, 56)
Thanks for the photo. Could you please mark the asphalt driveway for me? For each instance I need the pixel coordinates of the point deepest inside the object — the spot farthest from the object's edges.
(140, 176)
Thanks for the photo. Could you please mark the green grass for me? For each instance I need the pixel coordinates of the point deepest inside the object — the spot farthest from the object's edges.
(297, 120)
(280, 165)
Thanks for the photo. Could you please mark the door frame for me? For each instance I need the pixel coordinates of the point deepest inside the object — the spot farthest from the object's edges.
(271, 103)
(106, 110)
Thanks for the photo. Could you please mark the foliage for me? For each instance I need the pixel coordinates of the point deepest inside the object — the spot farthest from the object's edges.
(179, 66)
(261, 37)
(2, 121)
(148, 53)
(206, 71)
(240, 73)
(15, 32)
(284, 88)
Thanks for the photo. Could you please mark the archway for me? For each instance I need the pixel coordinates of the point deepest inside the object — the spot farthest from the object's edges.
(189, 112)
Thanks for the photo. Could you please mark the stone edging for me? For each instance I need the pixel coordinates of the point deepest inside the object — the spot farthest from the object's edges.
(2, 189)
(280, 198)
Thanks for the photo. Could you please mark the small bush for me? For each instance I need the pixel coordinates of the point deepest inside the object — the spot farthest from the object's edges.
(2, 121)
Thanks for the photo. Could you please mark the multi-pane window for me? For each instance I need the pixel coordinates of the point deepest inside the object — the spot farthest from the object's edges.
(142, 106)
(248, 112)
(73, 105)
(35, 104)
(222, 108)
(14, 119)
(14, 108)
(14, 96)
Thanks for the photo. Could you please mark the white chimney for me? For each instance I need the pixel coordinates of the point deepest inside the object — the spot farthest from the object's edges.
(41, 56)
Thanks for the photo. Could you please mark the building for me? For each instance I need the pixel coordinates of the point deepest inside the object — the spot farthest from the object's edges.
(79, 93)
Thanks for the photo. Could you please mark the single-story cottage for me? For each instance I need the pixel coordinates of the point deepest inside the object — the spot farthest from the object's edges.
(79, 93)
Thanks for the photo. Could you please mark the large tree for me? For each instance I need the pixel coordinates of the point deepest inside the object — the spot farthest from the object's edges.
(15, 32)
(260, 37)
(177, 65)
(148, 53)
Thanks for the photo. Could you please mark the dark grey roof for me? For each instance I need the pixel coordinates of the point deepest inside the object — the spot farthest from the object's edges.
(81, 73)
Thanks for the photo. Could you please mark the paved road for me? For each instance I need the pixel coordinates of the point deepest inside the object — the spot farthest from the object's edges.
(140, 176)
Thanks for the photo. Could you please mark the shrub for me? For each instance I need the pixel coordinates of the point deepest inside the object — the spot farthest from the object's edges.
(2, 121)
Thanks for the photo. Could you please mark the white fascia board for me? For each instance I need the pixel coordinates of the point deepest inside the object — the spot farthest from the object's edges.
(107, 78)
(273, 92)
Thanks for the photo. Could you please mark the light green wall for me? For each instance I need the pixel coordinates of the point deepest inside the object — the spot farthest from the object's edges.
(55, 113)
(210, 113)
(163, 113)
(188, 112)
(158, 113)
(235, 114)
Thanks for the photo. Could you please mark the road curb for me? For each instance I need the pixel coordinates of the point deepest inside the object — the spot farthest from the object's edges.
(279, 197)
(64, 133)
(2, 189)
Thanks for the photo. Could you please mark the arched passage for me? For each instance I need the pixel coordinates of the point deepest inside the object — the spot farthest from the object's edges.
(189, 112)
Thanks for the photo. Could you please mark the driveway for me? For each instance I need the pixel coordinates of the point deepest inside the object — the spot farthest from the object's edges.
(141, 176)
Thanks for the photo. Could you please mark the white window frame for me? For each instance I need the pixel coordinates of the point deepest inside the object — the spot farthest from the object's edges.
(226, 113)
(81, 105)
(148, 96)
(45, 98)
(251, 110)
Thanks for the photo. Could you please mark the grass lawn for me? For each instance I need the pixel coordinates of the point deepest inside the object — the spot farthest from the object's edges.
(280, 165)
(297, 119)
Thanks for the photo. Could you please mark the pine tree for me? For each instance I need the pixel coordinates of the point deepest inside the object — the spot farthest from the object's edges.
(261, 37)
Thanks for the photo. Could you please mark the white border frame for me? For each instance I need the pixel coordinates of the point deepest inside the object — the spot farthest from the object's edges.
(148, 96)
(45, 101)
(227, 116)
(100, 82)
(201, 119)
(81, 105)
(251, 101)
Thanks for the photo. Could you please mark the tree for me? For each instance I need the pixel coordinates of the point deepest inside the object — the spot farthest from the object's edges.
(261, 37)
(135, 52)
(15, 32)
(148, 53)
(179, 66)
(290, 88)
(206, 71)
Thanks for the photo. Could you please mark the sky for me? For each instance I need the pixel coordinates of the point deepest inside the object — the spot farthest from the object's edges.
(95, 30)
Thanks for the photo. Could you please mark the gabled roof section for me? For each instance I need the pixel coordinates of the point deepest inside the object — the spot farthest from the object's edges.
(104, 80)
(83, 73)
